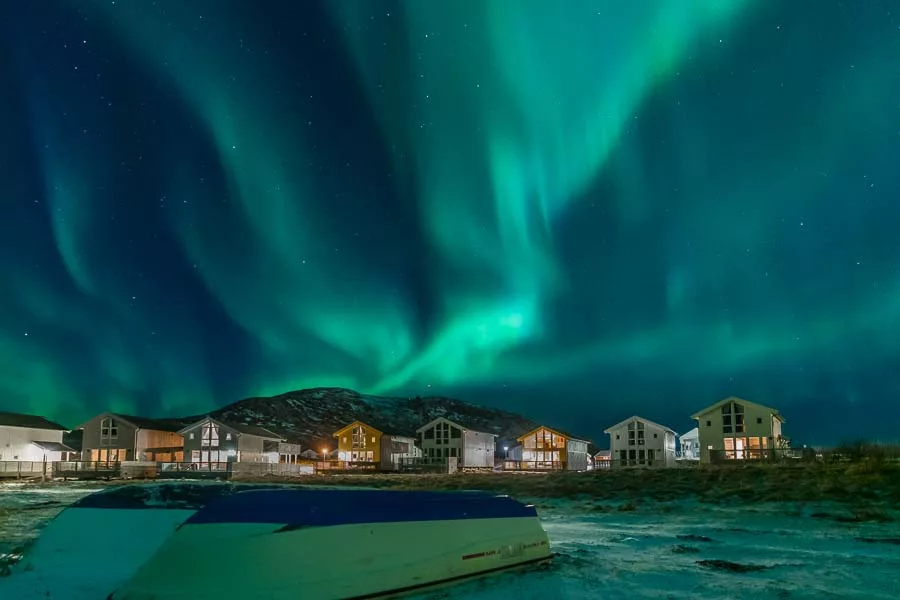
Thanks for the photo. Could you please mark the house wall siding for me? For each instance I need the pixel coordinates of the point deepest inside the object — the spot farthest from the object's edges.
(577, 455)
(15, 443)
(152, 438)
(478, 449)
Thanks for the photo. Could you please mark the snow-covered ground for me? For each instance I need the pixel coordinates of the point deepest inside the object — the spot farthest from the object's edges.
(678, 551)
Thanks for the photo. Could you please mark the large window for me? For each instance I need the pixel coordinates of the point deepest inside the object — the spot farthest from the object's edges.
(109, 431)
(732, 418)
(209, 435)
(358, 438)
(631, 434)
(443, 433)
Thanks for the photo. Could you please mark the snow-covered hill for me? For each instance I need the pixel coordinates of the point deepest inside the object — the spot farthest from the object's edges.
(310, 417)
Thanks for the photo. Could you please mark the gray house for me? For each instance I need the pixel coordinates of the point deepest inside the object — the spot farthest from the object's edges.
(453, 444)
(111, 437)
(212, 441)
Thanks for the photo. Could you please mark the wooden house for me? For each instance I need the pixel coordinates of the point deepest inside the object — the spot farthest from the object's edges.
(112, 437)
(450, 443)
(210, 441)
(31, 438)
(737, 429)
(640, 442)
(365, 445)
(546, 449)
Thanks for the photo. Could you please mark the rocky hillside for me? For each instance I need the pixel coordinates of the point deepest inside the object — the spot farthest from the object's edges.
(310, 417)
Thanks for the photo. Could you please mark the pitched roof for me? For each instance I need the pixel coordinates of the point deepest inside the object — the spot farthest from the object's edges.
(693, 433)
(239, 427)
(647, 421)
(710, 408)
(9, 419)
(170, 425)
(53, 446)
(360, 422)
(455, 422)
(564, 434)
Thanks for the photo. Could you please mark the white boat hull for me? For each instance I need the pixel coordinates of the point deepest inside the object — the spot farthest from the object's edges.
(331, 563)
(213, 541)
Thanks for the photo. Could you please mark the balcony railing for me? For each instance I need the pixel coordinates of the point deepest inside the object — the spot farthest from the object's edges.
(534, 465)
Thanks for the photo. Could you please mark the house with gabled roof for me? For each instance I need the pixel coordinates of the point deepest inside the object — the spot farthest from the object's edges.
(546, 449)
(210, 440)
(364, 444)
(454, 444)
(737, 429)
(639, 442)
(31, 438)
(113, 437)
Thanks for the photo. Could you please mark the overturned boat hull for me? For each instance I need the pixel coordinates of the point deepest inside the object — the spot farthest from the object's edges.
(317, 544)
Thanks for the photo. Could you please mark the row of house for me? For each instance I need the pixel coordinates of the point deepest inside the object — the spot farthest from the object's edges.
(731, 429)
(115, 438)
(458, 446)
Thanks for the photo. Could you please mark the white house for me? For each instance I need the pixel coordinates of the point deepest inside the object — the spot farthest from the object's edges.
(737, 429)
(639, 442)
(603, 459)
(689, 445)
(31, 438)
(447, 442)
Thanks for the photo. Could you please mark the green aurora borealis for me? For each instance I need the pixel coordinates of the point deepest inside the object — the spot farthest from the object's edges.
(577, 210)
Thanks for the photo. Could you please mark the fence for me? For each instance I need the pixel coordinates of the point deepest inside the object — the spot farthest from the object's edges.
(25, 468)
(725, 457)
(76, 469)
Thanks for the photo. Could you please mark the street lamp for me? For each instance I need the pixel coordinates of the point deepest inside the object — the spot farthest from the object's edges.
(506, 452)
(324, 453)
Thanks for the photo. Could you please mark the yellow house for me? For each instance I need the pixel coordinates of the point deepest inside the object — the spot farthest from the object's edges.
(359, 443)
(363, 445)
(737, 429)
(544, 449)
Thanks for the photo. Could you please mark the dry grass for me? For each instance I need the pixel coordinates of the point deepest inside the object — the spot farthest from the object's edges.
(853, 483)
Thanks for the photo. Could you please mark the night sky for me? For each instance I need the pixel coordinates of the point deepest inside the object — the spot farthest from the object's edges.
(576, 210)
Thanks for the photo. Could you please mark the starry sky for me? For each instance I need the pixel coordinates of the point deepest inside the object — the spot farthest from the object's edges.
(576, 210)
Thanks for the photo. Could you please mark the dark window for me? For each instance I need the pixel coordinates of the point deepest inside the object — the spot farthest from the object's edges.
(709, 423)
(726, 429)
(455, 433)
(453, 452)
(642, 457)
(618, 436)
(429, 434)
(650, 456)
(655, 436)
(759, 420)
